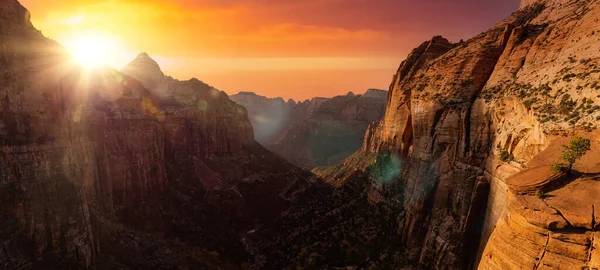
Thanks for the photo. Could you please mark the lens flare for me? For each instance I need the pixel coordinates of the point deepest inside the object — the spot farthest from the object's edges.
(91, 50)
(386, 168)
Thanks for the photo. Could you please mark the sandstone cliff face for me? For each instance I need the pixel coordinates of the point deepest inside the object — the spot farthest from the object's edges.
(430, 133)
(43, 213)
(332, 131)
(554, 224)
(455, 109)
(97, 171)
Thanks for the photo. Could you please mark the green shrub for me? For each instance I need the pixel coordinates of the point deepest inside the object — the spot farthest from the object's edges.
(576, 148)
(559, 167)
(568, 77)
(540, 194)
(506, 156)
(530, 102)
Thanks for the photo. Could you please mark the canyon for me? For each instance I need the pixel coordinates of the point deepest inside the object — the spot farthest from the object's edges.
(99, 171)
(107, 169)
(314, 133)
(271, 117)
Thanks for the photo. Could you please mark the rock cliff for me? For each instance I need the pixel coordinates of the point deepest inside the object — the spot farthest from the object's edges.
(553, 225)
(462, 118)
(332, 131)
(98, 170)
(271, 117)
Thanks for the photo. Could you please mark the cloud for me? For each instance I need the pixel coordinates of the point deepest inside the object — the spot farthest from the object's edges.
(268, 28)
(295, 32)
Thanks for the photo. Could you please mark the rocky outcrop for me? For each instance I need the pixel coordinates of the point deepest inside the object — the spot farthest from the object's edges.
(332, 131)
(462, 118)
(148, 72)
(430, 130)
(556, 222)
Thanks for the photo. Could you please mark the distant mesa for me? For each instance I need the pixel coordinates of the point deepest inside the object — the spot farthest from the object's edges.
(376, 93)
(247, 93)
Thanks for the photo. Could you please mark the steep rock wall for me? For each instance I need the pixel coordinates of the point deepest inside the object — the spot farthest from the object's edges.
(96, 170)
(464, 117)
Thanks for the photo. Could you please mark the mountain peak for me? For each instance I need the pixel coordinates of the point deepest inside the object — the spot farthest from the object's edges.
(145, 69)
(15, 18)
(145, 57)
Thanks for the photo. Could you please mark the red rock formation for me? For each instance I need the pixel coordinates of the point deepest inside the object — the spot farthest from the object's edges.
(97, 170)
(554, 227)
(93, 162)
(453, 108)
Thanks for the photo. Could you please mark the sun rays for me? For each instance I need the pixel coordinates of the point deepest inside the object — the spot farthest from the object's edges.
(91, 50)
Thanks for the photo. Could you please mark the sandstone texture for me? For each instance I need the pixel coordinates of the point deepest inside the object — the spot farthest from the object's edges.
(554, 220)
(463, 118)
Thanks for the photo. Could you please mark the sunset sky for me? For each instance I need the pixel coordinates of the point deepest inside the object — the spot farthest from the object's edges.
(289, 48)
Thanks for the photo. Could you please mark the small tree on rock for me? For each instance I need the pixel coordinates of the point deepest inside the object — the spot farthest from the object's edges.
(577, 147)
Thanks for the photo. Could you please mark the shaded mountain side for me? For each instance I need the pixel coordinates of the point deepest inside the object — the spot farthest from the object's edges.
(271, 117)
(99, 172)
(333, 228)
(462, 118)
(333, 131)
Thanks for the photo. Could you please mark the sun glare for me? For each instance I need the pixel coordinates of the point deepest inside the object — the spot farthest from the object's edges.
(90, 51)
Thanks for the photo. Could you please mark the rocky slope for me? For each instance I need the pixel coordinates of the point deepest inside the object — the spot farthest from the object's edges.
(553, 220)
(332, 131)
(462, 118)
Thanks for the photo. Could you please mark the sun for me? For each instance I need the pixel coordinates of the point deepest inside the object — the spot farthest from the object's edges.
(90, 51)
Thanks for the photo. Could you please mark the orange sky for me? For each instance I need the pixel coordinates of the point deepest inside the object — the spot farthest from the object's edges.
(289, 48)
